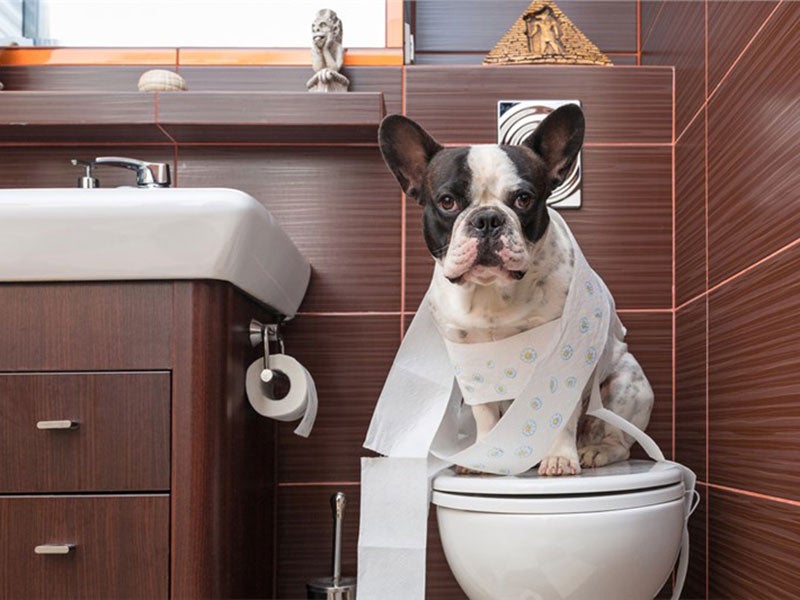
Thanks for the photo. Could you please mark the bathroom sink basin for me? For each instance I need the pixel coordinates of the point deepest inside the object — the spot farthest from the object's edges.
(150, 233)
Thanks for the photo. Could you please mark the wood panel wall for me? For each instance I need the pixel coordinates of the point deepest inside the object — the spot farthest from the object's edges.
(737, 416)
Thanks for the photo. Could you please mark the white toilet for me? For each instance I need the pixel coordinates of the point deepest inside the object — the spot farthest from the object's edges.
(611, 533)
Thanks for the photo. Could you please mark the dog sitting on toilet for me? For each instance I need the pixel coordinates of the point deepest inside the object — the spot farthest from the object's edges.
(503, 266)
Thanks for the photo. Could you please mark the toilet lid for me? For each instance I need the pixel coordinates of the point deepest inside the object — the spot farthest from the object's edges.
(621, 485)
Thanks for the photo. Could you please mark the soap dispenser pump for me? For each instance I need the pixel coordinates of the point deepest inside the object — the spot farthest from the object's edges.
(88, 181)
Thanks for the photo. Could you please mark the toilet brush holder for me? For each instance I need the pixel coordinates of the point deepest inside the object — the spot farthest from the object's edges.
(335, 587)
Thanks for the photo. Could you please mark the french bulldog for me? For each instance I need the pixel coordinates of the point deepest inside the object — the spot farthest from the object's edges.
(503, 267)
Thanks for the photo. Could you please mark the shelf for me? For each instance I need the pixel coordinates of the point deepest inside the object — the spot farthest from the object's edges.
(189, 117)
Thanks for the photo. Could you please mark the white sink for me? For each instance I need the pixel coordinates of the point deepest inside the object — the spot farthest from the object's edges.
(150, 233)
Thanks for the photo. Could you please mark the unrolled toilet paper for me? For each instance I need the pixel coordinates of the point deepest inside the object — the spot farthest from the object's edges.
(301, 401)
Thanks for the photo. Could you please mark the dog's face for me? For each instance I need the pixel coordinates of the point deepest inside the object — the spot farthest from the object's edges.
(484, 206)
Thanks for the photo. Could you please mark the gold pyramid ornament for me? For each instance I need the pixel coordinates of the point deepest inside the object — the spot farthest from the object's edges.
(544, 35)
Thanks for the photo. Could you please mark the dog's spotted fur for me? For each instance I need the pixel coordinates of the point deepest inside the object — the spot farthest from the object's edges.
(489, 286)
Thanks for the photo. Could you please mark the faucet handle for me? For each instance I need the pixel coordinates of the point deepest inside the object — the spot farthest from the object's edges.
(88, 180)
(147, 174)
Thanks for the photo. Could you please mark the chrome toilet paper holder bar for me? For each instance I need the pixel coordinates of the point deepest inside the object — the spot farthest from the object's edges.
(264, 333)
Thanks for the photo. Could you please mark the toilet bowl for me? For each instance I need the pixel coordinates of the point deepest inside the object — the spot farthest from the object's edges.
(611, 533)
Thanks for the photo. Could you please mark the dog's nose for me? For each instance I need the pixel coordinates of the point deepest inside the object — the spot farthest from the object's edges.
(488, 222)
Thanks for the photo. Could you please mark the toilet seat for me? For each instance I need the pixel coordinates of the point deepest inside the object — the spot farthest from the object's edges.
(624, 485)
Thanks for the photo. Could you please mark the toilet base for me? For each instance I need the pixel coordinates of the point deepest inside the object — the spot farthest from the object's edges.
(623, 554)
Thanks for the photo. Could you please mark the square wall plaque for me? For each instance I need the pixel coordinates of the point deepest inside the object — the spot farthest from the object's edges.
(517, 120)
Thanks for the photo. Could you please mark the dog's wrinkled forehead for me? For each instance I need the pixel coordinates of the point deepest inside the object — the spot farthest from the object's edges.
(483, 174)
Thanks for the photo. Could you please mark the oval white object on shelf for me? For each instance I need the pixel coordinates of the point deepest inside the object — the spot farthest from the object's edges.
(161, 80)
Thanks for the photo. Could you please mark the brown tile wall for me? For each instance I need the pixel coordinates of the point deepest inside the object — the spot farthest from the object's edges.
(737, 263)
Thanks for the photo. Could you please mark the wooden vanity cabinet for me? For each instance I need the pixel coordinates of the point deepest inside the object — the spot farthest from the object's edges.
(132, 463)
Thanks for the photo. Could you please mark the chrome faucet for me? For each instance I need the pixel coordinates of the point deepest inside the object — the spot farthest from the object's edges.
(147, 174)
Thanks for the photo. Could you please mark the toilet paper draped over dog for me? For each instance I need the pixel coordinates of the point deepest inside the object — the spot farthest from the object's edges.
(417, 411)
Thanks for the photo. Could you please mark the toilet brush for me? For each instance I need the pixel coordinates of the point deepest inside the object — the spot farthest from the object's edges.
(336, 587)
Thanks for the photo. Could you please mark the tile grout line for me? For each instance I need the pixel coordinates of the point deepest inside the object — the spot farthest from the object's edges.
(743, 492)
(638, 33)
(674, 267)
(742, 272)
(710, 95)
(744, 50)
(653, 24)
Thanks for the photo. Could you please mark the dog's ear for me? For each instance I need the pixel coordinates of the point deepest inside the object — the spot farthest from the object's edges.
(407, 149)
(557, 140)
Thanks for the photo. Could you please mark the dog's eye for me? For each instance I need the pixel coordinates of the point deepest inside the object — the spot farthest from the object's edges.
(447, 204)
(523, 200)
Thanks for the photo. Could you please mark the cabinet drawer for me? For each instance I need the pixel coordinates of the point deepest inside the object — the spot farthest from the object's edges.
(120, 442)
(120, 547)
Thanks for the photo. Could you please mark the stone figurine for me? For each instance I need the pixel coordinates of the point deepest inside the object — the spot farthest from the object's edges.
(327, 54)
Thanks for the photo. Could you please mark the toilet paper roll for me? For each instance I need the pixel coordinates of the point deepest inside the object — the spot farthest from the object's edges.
(301, 401)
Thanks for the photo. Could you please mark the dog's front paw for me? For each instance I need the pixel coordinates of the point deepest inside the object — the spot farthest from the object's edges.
(600, 455)
(465, 471)
(559, 465)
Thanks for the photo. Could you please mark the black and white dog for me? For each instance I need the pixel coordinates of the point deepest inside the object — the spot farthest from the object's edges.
(502, 267)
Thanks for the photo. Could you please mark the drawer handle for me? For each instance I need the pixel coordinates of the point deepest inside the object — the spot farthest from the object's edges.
(63, 424)
(54, 549)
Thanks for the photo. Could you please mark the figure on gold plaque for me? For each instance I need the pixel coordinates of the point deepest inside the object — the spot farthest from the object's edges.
(544, 32)
(327, 54)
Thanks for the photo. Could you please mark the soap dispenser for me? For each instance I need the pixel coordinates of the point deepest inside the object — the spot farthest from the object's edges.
(88, 180)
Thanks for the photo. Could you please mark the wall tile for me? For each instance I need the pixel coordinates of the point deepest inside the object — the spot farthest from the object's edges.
(649, 13)
(340, 206)
(50, 167)
(123, 117)
(690, 387)
(690, 213)
(752, 547)
(621, 105)
(65, 78)
(754, 415)
(624, 227)
(731, 25)
(754, 170)
(650, 341)
(349, 358)
(288, 79)
(477, 26)
(684, 21)
(305, 533)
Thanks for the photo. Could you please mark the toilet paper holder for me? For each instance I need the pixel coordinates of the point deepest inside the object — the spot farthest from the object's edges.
(264, 333)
